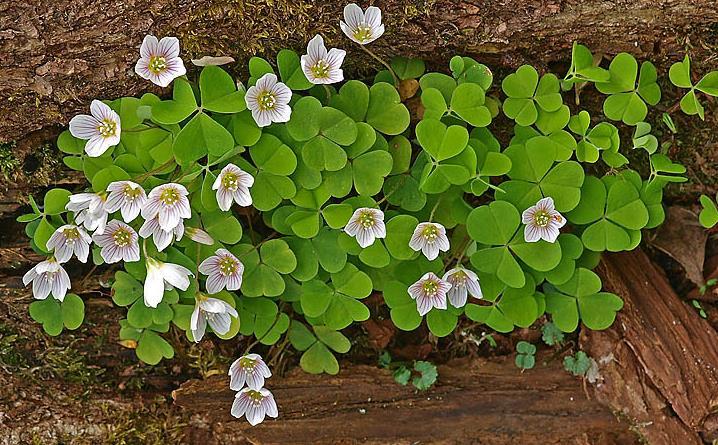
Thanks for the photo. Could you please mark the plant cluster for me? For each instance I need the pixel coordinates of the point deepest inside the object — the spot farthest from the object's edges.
(273, 211)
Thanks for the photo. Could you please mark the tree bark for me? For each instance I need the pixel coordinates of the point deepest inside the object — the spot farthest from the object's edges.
(657, 370)
(659, 361)
(58, 55)
(476, 401)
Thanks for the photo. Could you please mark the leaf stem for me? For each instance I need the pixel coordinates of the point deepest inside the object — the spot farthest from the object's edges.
(386, 65)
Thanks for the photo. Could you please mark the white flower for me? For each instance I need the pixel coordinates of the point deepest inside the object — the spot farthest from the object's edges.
(127, 197)
(162, 238)
(430, 291)
(101, 130)
(320, 66)
(170, 202)
(159, 61)
(366, 225)
(463, 282)
(46, 277)
(233, 184)
(118, 243)
(90, 211)
(223, 270)
(430, 238)
(254, 405)
(542, 221)
(199, 236)
(216, 312)
(69, 239)
(269, 100)
(249, 369)
(362, 27)
(161, 275)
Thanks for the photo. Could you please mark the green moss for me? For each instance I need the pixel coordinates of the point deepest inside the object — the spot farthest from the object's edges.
(11, 357)
(152, 425)
(8, 161)
(71, 366)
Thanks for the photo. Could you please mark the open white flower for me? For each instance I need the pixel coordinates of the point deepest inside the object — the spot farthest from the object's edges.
(429, 292)
(162, 238)
(542, 221)
(170, 203)
(463, 282)
(429, 238)
(199, 236)
(67, 240)
(101, 129)
(223, 270)
(362, 27)
(322, 66)
(216, 312)
(159, 60)
(48, 277)
(163, 275)
(233, 185)
(268, 100)
(127, 197)
(249, 369)
(366, 225)
(254, 405)
(118, 243)
(90, 211)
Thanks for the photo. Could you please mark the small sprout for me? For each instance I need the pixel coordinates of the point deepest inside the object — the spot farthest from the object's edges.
(424, 375)
(577, 365)
(696, 304)
(402, 375)
(525, 357)
(668, 122)
(427, 375)
(551, 335)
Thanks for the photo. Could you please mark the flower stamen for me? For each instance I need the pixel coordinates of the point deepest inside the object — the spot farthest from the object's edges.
(157, 64)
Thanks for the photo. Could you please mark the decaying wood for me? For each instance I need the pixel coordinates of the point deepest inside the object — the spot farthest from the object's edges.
(476, 401)
(659, 361)
(58, 55)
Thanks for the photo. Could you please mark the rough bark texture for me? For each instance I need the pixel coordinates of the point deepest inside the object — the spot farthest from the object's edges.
(658, 371)
(480, 401)
(57, 55)
(659, 361)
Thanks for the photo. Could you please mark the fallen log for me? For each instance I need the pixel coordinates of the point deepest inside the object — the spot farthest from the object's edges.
(659, 361)
(476, 401)
(58, 55)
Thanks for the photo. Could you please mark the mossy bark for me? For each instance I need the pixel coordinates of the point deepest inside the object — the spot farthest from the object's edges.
(56, 56)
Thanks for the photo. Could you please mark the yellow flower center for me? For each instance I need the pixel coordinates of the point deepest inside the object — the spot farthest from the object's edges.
(247, 364)
(366, 219)
(227, 266)
(157, 64)
(320, 70)
(122, 237)
(107, 128)
(230, 181)
(71, 234)
(362, 33)
(266, 100)
(430, 233)
(542, 218)
(459, 275)
(430, 287)
(131, 193)
(169, 196)
(255, 396)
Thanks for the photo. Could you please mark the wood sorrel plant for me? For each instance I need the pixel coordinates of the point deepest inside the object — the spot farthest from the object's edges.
(273, 212)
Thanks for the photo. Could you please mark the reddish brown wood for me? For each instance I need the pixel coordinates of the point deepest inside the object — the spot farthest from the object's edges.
(659, 361)
(476, 401)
